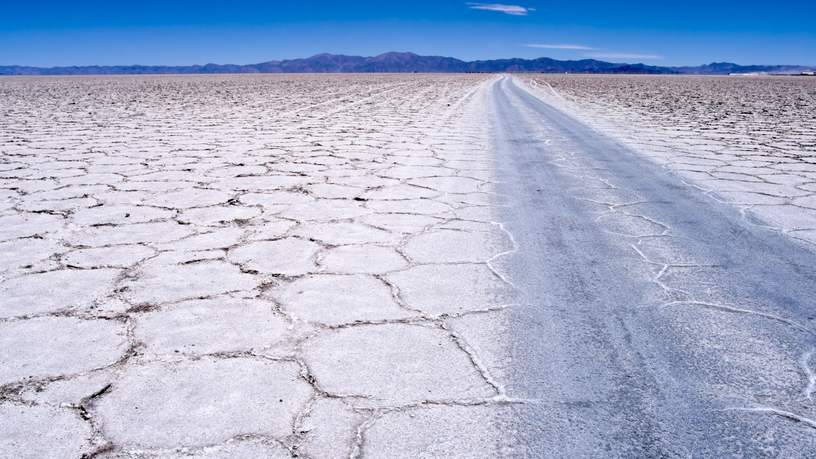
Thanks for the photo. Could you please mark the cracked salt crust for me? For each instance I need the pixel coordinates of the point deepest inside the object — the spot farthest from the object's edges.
(240, 265)
(201, 402)
(331, 299)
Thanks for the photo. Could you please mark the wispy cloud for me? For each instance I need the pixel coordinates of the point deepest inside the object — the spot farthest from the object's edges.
(514, 10)
(559, 46)
(605, 55)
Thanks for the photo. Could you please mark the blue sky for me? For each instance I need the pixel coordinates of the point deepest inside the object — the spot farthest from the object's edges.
(46, 33)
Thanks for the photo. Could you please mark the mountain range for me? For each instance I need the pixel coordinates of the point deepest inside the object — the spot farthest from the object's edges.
(403, 62)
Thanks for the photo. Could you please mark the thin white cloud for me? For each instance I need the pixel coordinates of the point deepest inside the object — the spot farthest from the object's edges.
(623, 56)
(559, 46)
(514, 10)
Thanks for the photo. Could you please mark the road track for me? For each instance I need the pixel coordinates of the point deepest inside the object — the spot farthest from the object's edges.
(652, 320)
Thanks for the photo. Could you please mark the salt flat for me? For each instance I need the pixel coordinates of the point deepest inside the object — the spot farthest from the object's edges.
(406, 266)
(748, 140)
(239, 265)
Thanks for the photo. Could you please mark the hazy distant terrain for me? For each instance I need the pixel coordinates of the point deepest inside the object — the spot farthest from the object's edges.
(395, 62)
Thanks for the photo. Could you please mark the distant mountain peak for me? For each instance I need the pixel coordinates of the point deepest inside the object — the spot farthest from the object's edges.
(398, 53)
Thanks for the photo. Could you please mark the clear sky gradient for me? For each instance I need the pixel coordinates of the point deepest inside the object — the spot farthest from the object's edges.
(168, 32)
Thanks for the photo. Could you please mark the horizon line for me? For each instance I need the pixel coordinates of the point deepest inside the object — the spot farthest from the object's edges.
(598, 58)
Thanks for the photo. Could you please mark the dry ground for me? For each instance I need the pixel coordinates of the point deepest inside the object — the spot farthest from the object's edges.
(746, 140)
(236, 265)
(270, 266)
